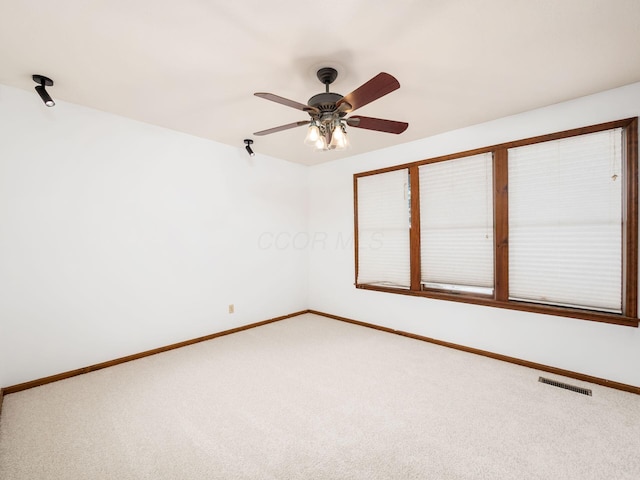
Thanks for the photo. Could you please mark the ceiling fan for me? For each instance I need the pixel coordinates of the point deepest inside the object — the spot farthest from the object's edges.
(327, 126)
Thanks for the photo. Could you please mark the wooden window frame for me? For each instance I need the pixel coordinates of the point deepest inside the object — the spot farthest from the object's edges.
(500, 296)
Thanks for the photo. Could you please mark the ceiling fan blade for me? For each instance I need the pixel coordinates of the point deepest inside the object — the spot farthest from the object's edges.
(282, 100)
(377, 124)
(281, 127)
(375, 88)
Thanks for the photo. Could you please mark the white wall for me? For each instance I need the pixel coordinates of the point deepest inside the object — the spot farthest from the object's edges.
(117, 237)
(602, 350)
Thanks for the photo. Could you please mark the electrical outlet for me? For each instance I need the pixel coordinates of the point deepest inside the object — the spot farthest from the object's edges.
(231, 308)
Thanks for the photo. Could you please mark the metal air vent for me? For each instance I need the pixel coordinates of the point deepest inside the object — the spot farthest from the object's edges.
(566, 386)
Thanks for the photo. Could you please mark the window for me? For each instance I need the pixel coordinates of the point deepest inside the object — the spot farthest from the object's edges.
(546, 224)
(383, 219)
(565, 222)
(456, 224)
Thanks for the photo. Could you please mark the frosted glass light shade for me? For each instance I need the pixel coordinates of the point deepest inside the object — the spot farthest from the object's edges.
(313, 134)
(339, 138)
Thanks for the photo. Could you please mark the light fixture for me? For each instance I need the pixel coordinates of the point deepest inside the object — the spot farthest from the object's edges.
(327, 129)
(339, 137)
(321, 144)
(313, 134)
(248, 148)
(327, 132)
(44, 82)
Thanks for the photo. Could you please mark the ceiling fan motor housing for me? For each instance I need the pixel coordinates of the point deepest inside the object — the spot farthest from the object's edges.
(325, 102)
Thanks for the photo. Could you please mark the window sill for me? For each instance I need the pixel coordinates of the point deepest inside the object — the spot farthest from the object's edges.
(512, 305)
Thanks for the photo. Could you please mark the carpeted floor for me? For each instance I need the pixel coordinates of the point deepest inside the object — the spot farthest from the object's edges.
(315, 398)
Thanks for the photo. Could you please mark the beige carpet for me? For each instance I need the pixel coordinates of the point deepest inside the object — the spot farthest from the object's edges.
(314, 398)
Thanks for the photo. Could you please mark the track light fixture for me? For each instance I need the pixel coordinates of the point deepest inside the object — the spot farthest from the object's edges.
(248, 148)
(44, 82)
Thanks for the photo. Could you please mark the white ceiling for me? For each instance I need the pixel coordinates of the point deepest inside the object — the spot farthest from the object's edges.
(193, 65)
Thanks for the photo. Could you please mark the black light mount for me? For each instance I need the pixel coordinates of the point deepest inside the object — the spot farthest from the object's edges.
(44, 82)
(248, 142)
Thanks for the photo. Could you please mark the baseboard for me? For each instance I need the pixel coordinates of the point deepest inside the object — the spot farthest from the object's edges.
(538, 366)
(496, 356)
(72, 373)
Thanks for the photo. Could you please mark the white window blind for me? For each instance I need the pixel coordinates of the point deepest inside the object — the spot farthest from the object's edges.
(565, 222)
(383, 229)
(456, 224)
